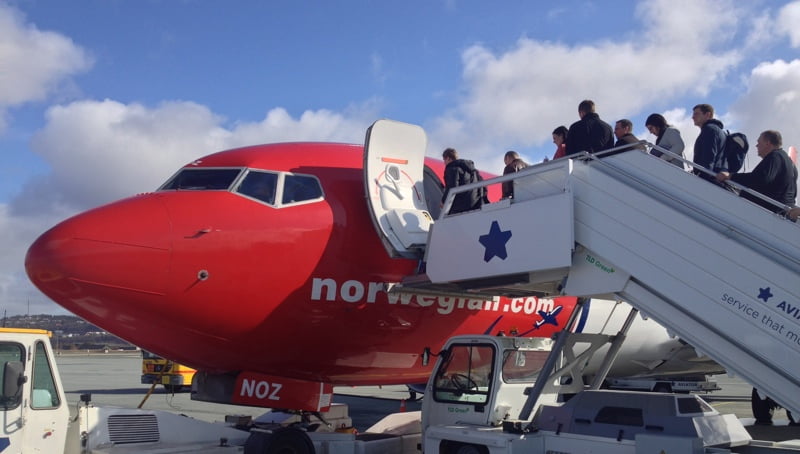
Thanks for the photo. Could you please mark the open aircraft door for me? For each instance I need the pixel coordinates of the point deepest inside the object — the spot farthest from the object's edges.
(394, 158)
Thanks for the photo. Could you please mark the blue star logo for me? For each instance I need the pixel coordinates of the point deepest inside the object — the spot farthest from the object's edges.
(495, 242)
(764, 294)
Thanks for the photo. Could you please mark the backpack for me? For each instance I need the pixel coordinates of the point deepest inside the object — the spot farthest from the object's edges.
(476, 176)
(735, 150)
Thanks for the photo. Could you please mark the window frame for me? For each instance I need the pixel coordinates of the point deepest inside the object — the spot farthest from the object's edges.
(50, 377)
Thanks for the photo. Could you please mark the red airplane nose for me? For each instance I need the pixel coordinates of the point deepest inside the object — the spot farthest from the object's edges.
(99, 261)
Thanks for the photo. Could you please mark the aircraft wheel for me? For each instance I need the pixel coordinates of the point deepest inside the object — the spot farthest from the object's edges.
(282, 441)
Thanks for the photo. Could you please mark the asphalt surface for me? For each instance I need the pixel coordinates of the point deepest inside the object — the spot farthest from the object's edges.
(114, 379)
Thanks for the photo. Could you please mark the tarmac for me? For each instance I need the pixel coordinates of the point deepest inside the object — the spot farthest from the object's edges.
(114, 379)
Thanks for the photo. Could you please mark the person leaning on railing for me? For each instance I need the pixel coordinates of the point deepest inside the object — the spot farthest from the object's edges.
(775, 176)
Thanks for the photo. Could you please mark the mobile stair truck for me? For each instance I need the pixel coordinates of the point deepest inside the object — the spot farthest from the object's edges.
(720, 272)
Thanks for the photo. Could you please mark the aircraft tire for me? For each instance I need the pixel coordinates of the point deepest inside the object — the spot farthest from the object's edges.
(282, 441)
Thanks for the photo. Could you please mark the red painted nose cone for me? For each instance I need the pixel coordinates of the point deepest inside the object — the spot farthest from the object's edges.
(100, 260)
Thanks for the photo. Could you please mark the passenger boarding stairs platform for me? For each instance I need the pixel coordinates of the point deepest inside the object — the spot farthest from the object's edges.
(717, 270)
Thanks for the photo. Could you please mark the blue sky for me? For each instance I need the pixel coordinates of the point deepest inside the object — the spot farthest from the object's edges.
(101, 99)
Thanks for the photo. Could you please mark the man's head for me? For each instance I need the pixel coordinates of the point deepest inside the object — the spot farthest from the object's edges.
(767, 141)
(701, 113)
(622, 127)
(510, 157)
(449, 155)
(585, 107)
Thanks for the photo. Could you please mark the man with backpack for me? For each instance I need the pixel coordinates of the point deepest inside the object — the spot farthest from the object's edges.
(775, 176)
(458, 172)
(709, 148)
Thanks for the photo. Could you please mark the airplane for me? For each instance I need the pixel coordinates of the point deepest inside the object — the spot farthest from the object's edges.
(547, 318)
(261, 268)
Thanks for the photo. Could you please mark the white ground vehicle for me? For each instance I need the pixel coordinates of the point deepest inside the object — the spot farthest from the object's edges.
(474, 403)
(699, 384)
(37, 418)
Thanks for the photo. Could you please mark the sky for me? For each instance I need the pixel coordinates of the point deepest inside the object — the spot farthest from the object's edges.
(103, 99)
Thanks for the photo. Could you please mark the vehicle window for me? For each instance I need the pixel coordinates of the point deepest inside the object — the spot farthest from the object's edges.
(44, 386)
(623, 416)
(260, 186)
(299, 188)
(11, 360)
(202, 179)
(466, 375)
(522, 366)
(690, 405)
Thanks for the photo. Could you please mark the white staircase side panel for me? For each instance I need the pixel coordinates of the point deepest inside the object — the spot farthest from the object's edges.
(719, 271)
(739, 291)
(490, 242)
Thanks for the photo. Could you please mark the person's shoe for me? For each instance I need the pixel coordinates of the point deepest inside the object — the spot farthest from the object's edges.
(763, 422)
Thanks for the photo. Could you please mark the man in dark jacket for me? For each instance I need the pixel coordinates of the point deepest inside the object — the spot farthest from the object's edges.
(709, 148)
(458, 172)
(590, 133)
(623, 131)
(775, 176)
(513, 164)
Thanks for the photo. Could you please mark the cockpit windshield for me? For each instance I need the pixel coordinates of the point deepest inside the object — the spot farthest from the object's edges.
(202, 179)
(260, 186)
(277, 189)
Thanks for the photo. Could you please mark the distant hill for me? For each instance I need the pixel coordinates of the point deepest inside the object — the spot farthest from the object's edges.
(69, 332)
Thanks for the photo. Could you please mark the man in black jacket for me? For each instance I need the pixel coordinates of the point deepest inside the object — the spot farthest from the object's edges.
(775, 176)
(458, 172)
(709, 148)
(590, 133)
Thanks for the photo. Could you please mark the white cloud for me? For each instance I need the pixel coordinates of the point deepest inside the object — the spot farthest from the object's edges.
(32, 62)
(100, 151)
(521, 95)
(787, 22)
(772, 101)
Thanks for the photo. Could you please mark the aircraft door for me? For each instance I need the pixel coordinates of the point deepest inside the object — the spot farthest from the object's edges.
(394, 158)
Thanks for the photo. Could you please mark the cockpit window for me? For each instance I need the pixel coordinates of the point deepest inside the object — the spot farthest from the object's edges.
(298, 188)
(202, 179)
(259, 185)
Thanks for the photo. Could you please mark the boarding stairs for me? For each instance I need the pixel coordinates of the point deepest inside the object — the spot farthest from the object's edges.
(715, 269)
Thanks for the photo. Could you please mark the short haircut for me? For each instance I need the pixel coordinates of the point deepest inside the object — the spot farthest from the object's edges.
(450, 153)
(625, 123)
(705, 108)
(773, 137)
(511, 154)
(561, 131)
(586, 106)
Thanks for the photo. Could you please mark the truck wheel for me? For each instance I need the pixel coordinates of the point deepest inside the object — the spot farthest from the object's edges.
(172, 389)
(282, 441)
(662, 388)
